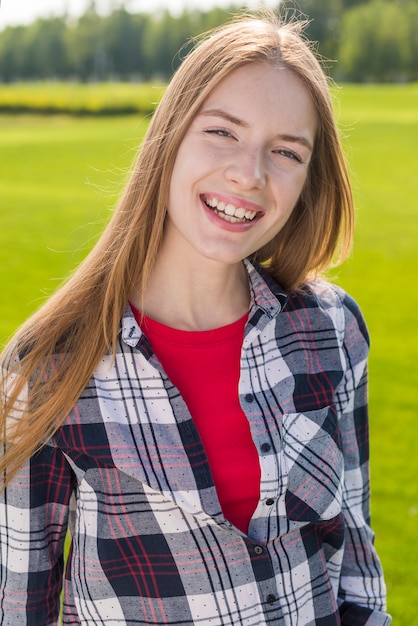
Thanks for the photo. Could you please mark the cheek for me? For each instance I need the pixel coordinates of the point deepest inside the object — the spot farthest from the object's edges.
(297, 189)
(177, 174)
(185, 173)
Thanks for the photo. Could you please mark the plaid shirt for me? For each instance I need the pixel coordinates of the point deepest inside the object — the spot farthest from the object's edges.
(128, 474)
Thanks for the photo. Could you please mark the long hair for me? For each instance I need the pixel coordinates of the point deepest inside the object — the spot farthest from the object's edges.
(61, 344)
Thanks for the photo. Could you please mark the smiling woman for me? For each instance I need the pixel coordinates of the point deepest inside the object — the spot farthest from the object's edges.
(191, 404)
(238, 174)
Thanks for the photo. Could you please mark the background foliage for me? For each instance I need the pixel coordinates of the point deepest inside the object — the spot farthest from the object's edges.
(110, 98)
(373, 40)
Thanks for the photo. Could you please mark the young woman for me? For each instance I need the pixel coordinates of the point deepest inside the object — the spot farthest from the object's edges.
(191, 404)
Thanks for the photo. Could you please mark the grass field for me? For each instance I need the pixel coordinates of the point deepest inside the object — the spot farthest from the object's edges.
(382, 274)
(60, 176)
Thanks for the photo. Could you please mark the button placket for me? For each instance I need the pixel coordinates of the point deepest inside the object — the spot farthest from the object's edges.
(265, 576)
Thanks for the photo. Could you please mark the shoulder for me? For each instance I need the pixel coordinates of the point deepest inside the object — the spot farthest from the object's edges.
(324, 294)
(339, 306)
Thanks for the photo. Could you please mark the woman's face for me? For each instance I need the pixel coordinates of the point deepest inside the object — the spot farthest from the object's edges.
(241, 166)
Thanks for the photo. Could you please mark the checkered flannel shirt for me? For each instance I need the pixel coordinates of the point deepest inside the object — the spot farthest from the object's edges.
(128, 475)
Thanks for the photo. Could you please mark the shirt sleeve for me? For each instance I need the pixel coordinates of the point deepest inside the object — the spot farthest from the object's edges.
(34, 512)
(362, 594)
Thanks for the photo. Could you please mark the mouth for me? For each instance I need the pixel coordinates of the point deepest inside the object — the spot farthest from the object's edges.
(229, 212)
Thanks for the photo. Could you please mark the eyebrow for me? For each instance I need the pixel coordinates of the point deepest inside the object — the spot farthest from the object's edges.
(238, 122)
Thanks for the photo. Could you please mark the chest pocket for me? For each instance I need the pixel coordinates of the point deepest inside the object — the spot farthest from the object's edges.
(314, 466)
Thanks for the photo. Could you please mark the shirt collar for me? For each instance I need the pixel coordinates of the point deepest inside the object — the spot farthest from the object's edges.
(266, 293)
(266, 297)
(130, 331)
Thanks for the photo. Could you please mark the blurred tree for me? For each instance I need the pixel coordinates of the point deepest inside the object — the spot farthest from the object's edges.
(376, 41)
(159, 45)
(12, 53)
(214, 17)
(85, 43)
(46, 54)
(168, 39)
(324, 23)
(349, 4)
(122, 34)
(411, 42)
(370, 39)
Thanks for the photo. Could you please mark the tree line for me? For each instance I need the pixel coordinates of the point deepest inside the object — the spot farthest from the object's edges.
(366, 40)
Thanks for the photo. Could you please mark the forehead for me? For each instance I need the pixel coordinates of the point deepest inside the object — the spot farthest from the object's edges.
(264, 92)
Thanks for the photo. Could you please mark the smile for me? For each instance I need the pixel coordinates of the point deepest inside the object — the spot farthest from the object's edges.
(229, 212)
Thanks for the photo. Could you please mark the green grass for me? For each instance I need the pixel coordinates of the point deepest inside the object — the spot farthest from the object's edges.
(381, 127)
(61, 175)
(59, 178)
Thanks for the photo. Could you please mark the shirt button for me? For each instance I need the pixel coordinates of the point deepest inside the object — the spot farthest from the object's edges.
(249, 397)
(271, 598)
(266, 447)
(269, 501)
(258, 550)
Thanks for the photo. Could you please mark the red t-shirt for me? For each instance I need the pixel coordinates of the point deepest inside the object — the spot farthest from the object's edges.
(205, 367)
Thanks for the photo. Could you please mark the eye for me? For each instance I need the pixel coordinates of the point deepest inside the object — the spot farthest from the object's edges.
(290, 154)
(220, 132)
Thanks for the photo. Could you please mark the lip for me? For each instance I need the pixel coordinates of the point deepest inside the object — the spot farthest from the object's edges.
(236, 201)
(234, 227)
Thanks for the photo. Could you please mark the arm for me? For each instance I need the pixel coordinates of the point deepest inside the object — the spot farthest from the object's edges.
(362, 590)
(33, 525)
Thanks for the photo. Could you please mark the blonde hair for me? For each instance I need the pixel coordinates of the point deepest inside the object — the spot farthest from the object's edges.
(60, 345)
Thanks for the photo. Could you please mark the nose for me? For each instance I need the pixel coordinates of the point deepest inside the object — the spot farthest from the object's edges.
(247, 169)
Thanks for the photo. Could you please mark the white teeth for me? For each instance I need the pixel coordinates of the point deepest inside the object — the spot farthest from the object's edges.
(230, 218)
(229, 212)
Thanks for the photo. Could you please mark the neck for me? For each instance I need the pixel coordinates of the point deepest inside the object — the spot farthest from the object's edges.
(199, 296)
